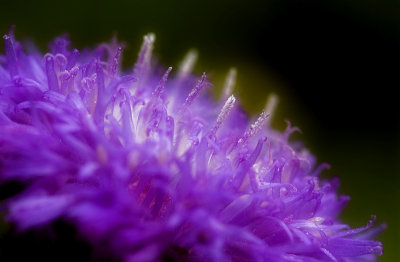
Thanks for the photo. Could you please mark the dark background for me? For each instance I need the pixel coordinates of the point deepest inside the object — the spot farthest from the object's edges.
(334, 65)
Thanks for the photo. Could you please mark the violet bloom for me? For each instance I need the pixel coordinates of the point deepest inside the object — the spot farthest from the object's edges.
(148, 168)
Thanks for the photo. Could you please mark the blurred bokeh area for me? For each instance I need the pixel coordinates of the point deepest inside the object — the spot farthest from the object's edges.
(334, 64)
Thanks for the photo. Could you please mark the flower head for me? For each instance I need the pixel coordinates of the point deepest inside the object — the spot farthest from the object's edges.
(146, 165)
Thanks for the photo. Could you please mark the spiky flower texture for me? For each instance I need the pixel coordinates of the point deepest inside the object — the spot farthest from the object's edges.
(147, 167)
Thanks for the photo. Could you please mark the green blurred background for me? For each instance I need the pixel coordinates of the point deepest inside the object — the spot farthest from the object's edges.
(334, 65)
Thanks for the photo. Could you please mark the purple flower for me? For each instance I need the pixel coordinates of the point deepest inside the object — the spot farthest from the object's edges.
(148, 168)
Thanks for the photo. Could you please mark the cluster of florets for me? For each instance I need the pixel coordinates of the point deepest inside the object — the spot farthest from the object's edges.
(154, 170)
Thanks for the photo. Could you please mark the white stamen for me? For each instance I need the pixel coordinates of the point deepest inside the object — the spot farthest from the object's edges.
(143, 62)
(226, 109)
(270, 106)
(229, 83)
(254, 128)
(187, 64)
